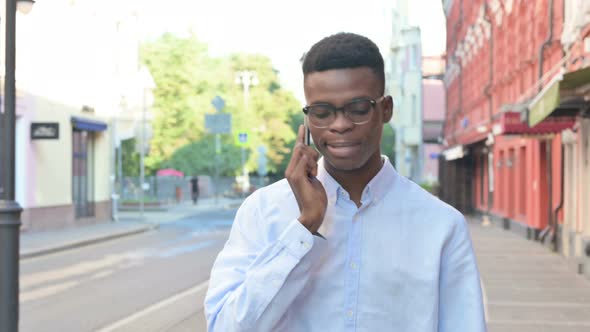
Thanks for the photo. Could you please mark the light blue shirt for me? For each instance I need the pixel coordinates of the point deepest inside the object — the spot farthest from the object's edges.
(403, 261)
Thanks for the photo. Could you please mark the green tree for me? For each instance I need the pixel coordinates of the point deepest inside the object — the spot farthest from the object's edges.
(130, 158)
(187, 79)
(388, 142)
(199, 157)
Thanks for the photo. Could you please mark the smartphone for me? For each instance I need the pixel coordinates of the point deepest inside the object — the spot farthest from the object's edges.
(307, 136)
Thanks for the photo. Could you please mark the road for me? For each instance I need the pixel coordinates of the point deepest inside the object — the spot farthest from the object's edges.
(99, 287)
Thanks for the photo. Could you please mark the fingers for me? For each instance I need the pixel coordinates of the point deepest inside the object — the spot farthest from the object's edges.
(296, 154)
(301, 134)
(304, 168)
(299, 151)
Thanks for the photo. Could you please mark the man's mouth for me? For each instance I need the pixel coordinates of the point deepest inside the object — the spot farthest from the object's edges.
(343, 149)
(341, 144)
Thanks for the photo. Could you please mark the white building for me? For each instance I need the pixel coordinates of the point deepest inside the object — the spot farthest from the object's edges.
(76, 62)
(404, 83)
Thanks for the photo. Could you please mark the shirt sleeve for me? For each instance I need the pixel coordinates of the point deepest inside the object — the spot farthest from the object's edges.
(460, 297)
(252, 283)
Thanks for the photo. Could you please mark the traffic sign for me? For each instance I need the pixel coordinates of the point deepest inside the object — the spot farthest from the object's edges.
(219, 123)
(218, 103)
(242, 139)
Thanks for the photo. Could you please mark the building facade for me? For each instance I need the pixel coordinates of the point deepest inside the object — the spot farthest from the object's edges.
(404, 83)
(574, 91)
(433, 93)
(515, 90)
(70, 83)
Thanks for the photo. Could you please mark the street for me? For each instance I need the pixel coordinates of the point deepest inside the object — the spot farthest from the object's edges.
(98, 287)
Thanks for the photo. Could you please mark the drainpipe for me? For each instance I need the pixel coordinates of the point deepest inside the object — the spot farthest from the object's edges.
(458, 24)
(546, 43)
(560, 206)
(489, 96)
(549, 172)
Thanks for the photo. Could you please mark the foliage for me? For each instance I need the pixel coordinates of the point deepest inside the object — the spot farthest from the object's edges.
(187, 79)
(199, 158)
(130, 158)
(388, 142)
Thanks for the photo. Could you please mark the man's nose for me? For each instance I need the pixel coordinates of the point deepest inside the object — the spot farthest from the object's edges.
(341, 122)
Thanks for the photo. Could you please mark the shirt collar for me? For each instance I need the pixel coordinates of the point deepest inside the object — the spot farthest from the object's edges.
(376, 189)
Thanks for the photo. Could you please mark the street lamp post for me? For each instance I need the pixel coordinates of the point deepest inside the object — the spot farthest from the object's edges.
(246, 78)
(9, 209)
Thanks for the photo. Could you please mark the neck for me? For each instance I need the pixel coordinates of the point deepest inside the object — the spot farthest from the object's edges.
(355, 181)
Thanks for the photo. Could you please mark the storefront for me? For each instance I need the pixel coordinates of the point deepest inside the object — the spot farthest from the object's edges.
(63, 160)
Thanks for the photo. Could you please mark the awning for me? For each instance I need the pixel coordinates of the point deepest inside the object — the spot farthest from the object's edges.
(87, 124)
(549, 102)
(510, 123)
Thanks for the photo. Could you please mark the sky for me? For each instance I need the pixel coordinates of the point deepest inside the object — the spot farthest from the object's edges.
(284, 30)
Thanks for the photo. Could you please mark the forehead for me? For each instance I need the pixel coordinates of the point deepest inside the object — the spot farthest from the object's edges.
(338, 86)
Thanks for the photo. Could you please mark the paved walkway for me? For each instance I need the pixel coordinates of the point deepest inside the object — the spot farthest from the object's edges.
(129, 222)
(526, 286)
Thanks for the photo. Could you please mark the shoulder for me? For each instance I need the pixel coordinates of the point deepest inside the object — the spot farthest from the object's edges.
(425, 207)
(269, 209)
(270, 195)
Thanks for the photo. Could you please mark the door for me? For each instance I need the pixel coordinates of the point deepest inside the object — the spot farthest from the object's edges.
(83, 177)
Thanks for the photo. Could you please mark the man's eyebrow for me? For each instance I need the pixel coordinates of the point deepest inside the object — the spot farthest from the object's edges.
(320, 102)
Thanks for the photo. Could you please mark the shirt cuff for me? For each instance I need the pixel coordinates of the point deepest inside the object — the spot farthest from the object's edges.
(297, 239)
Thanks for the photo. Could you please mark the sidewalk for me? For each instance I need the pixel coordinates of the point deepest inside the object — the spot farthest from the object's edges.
(526, 286)
(129, 223)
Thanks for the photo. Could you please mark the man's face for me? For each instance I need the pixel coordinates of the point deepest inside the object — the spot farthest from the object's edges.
(347, 146)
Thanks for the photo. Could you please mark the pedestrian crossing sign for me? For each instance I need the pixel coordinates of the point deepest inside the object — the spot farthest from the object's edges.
(242, 139)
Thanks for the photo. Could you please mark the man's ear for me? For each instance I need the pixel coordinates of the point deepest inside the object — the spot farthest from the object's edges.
(387, 109)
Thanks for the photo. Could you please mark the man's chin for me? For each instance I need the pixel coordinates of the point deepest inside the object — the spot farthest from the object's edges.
(343, 165)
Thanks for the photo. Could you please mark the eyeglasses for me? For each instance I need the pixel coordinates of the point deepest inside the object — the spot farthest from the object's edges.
(358, 111)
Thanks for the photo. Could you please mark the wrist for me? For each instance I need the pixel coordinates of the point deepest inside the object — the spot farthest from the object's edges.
(308, 223)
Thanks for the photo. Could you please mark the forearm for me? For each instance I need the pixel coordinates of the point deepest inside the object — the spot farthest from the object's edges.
(271, 283)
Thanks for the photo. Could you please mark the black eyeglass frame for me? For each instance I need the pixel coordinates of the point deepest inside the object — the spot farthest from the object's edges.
(334, 109)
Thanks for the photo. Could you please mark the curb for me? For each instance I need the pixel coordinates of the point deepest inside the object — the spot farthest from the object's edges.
(76, 244)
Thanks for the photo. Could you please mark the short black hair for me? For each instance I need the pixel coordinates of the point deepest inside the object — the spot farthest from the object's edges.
(344, 50)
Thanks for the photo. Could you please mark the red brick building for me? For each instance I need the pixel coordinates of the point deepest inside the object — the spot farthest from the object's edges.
(506, 73)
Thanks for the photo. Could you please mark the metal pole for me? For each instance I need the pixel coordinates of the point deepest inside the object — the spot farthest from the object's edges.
(246, 80)
(141, 158)
(243, 171)
(9, 209)
(120, 173)
(217, 151)
(114, 198)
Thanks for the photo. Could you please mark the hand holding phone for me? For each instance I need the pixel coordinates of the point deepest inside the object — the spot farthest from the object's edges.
(308, 190)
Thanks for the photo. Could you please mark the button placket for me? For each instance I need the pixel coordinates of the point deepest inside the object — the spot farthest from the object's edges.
(353, 272)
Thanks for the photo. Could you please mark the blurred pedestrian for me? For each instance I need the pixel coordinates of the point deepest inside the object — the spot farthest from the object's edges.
(195, 189)
(345, 243)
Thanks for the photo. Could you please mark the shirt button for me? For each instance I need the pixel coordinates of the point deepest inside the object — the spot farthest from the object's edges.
(353, 266)
(349, 313)
(304, 244)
